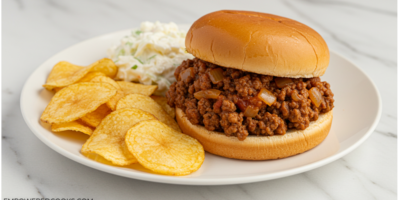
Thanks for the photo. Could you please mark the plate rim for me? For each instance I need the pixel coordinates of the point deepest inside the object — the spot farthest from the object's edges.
(192, 181)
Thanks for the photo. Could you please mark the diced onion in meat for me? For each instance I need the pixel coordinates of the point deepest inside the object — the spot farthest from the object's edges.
(282, 82)
(216, 75)
(315, 96)
(295, 96)
(251, 111)
(208, 94)
(186, 73)
(266, 96)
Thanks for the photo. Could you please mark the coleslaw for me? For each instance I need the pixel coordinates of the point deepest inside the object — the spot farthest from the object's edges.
(150, 55)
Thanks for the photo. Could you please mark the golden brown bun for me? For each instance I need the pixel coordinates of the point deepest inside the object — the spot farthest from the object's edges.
(258, 42)
(258, 147)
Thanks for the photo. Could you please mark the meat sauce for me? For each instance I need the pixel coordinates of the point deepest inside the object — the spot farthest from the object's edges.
(228, 100)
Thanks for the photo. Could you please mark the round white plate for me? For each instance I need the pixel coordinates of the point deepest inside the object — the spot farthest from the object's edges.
(352, 123)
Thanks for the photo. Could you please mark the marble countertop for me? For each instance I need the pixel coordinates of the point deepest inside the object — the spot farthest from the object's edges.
(33, 31)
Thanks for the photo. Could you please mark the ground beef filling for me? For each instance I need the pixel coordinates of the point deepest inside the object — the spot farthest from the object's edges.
(292, 109)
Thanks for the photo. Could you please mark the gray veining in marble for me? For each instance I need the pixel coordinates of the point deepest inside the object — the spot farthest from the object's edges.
(359, 6)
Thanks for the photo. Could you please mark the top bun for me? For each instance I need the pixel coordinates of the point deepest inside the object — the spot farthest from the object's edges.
(258, 42)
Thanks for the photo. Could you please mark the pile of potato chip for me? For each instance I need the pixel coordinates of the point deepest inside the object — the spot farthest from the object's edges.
(125, 123)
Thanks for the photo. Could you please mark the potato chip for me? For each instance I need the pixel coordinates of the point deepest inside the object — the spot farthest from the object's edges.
(136, 166)
(149, 105)
(107, 67)
(164, 150)
(162, 101)
(108, 140)
(56, 89)
(94, 118)
(72, 126)
(96, 157)
(88, 77)
(135, 88)
(75, 101)
(64, 74)
(113, 101)
(105, 79)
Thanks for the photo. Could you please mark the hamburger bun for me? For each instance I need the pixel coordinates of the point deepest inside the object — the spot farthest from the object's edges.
(258, 42)
(258, 147)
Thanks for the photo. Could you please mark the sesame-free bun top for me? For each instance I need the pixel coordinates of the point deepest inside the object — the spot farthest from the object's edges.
(258, 42)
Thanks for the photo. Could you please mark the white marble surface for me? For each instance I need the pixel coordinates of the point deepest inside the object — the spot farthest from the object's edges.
(363, 31)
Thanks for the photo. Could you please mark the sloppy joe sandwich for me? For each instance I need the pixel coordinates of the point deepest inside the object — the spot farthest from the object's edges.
(253, 90)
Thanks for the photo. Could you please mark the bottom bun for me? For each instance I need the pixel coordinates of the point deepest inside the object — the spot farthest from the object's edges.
(258, 147)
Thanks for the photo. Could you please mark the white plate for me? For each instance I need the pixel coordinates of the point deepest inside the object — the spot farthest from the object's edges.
(356, 114)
